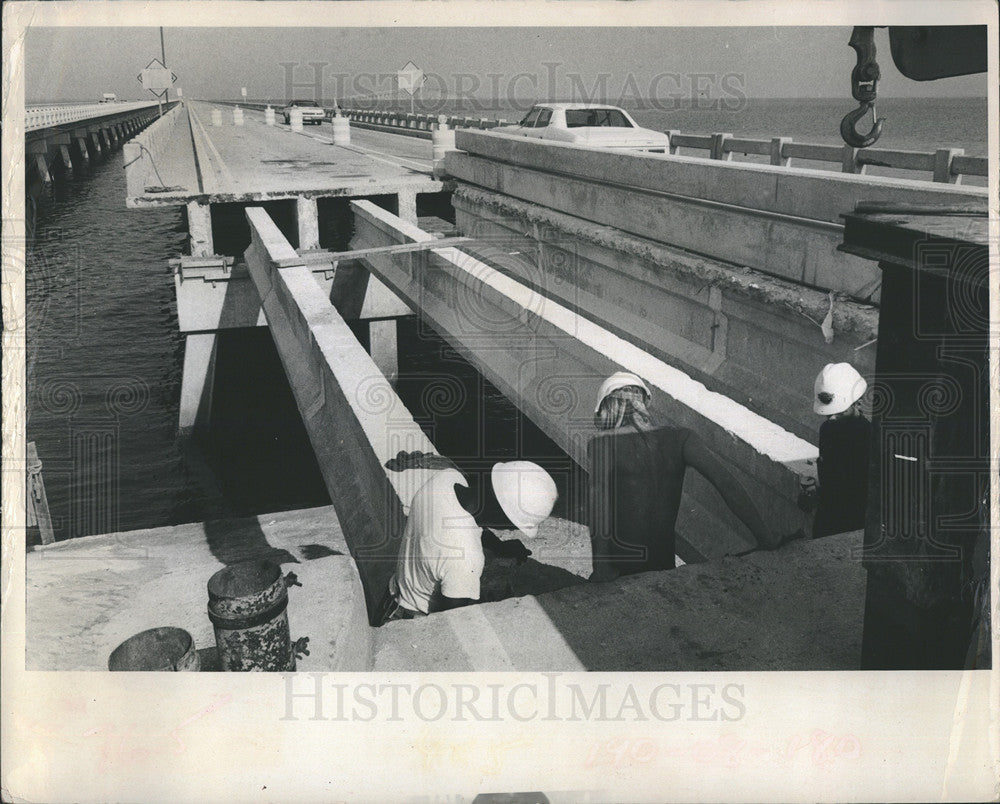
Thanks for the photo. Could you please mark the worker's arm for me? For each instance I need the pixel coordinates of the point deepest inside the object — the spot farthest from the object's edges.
(455, 602)
(504, 548)
(699, 457)
(418, 460)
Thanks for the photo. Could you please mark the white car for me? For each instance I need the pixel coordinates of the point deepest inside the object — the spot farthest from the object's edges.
(588, 124)
(311, 113)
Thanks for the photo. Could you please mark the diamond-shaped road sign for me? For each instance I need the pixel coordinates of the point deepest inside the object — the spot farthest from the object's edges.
(410, 77)
(156, 78)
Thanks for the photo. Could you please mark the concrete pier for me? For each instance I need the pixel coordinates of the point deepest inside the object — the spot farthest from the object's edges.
(197, 381)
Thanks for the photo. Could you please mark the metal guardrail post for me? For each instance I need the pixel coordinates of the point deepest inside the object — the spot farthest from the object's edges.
(943, 160)
(719, 150)
(777, 151)
(849, 161)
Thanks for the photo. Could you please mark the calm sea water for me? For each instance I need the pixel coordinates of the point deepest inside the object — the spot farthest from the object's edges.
(105, 357)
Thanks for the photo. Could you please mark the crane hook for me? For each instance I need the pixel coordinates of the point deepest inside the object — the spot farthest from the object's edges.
(864, 87)
(851, 135)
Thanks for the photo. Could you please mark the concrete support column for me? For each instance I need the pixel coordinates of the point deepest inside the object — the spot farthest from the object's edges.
(67, 160)
(82, 148)
(200, 229)
(406, 206)
(95, 140)
(307, 215)
(384, 347)
(197, 382)
(42, 165)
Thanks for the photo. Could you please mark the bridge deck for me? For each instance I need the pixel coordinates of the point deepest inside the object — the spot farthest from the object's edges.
(258, 162)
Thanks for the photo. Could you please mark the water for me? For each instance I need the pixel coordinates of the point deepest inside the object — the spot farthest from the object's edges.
(105, 357)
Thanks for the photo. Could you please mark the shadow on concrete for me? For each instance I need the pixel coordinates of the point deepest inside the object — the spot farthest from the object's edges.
(234, 540)
(504, 578)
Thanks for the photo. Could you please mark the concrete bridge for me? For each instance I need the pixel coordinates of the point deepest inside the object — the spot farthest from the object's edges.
(723, 284)
(59, 138)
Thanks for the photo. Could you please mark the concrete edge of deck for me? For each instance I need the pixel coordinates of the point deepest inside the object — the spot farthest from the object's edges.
(85, 596)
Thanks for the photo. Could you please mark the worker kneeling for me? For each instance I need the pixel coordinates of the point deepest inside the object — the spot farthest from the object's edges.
(441, 557)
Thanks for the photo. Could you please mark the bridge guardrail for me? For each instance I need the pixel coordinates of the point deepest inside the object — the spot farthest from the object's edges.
(946, 165)
(419, 122)
(39, 117)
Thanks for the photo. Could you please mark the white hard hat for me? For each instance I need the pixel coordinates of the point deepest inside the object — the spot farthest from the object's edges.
(526, 493)
(838, 386)
(621, 379)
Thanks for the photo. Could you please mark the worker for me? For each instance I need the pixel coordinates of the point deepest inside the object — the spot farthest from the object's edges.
(441, 557)
(840, 494)
(636, 477)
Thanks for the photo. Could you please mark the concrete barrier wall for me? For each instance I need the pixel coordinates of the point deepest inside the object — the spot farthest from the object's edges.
(354, 418)
(780, 220)
(749, 336)
(549, 362)
(160, 156)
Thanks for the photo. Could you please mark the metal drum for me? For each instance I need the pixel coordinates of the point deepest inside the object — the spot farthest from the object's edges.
(156, 649)
(247, 604)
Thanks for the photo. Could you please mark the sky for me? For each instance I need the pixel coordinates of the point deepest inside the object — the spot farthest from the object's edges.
(73, 63)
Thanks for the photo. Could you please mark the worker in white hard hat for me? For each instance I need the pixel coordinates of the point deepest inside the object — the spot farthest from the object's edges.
(840, 495)
(636, 477)
(441, 557)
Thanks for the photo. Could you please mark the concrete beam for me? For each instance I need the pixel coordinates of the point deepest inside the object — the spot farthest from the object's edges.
(197, 382)
(199, 219)
(549, 362)
(747, 335)
(794, 248)
(354, 419)
(781, 220)
(813, 194)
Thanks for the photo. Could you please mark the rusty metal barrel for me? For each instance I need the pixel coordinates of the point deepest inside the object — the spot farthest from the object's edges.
(248, 607)
(156, 649)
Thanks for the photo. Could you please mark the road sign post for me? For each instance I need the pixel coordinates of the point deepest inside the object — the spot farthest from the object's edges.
(409, 79)
(157, 79)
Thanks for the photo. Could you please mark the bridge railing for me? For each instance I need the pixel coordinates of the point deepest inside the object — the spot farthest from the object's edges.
(419, 122)
(946, 165)
(38, 117)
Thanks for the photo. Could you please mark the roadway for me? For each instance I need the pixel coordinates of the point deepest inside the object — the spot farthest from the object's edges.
(258, 162)
(259, 158)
